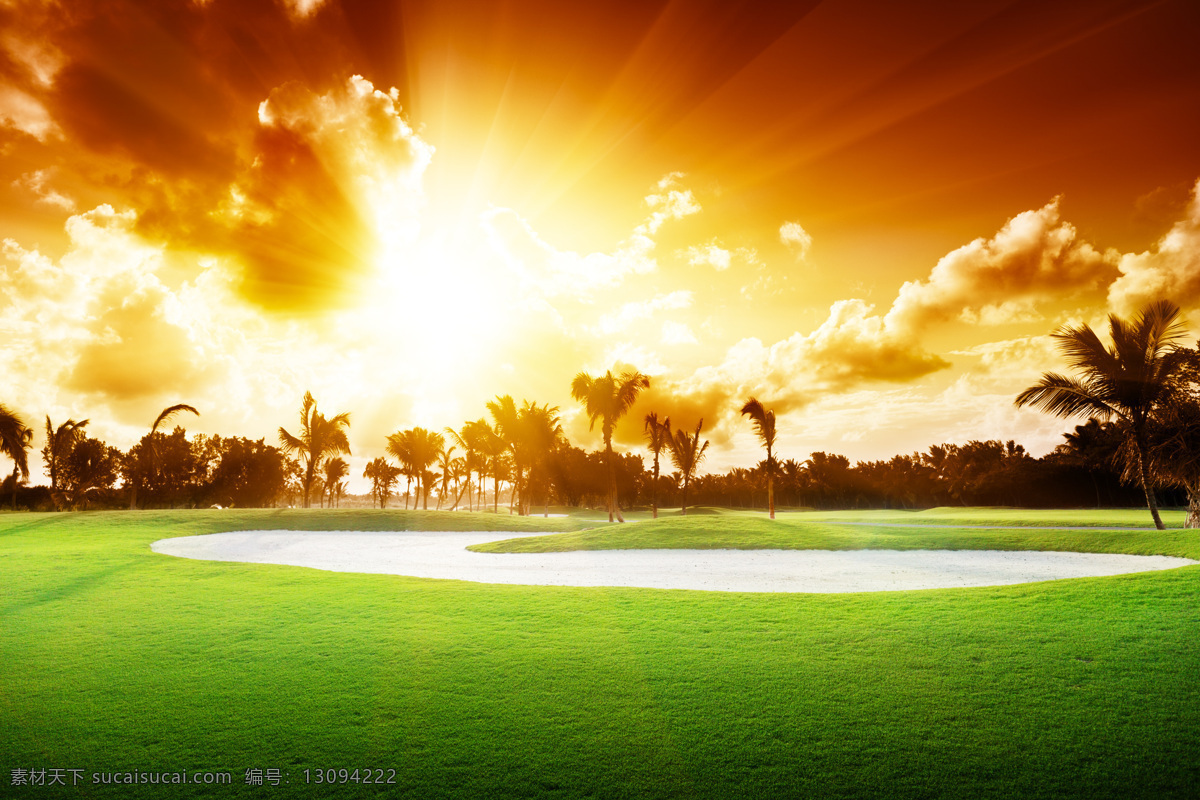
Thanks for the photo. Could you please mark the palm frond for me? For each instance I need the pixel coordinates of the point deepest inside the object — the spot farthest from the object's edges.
(1085, 352)
(763, 421)
(171, 411)
(1063, 396)
(628, 387)
(288, 442)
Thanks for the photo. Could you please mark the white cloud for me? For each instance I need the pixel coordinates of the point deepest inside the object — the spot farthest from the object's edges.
(796, 238)
(670, 201)
(677, 333)
(629, 313)
(552, 272)
(711, 254)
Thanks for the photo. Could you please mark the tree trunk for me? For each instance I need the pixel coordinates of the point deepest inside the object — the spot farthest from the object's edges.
(654, 490)
(1193, 512)
(771, 494)
(1147, 487)
(683, 509)
(612, 478)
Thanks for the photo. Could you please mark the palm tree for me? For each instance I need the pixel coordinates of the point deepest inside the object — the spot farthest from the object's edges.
(319, 437)
(472, 439)
(493, 448)
(400, 447)
(686, 455)
(764, 426)
(541, 433)
(426, 447)
(1127, 383)
(657, 434)
(506, 422)
(445, 464)
(59, 442)
(15, 439)
(383, 477)
(607, 398)
(458, 470)
(334, 470)
(417, 449)
(165, 416)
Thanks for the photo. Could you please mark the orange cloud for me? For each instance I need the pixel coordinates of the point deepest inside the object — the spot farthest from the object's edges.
(336, 179)
(1034, 259)
(1171, 270)
(852, 347)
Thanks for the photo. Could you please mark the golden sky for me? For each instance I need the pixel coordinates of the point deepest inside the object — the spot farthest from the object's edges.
(869, 215)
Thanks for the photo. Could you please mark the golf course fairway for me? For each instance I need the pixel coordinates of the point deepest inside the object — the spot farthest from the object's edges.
(120, 662)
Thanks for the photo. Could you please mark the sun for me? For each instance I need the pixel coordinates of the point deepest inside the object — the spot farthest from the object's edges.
(441, 298)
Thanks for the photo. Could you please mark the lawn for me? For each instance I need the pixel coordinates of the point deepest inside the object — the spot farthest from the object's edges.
(1102, 531)
(118, 659)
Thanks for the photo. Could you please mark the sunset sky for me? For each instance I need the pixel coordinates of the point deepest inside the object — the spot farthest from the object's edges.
(868, 215)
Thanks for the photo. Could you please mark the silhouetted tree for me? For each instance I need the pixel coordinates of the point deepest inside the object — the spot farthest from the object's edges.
(334, 470)
(686, 454)
(657, 434)
(607, 398)
(764, 428)
(318, 438)
(15, 438)
(418, 449)
(243, 473)
(88, 471)
(383, 477)
(1127, 383)
(59, 442)
(541, 433)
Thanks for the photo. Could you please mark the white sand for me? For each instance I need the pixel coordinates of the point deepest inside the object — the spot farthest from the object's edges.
(423, 554)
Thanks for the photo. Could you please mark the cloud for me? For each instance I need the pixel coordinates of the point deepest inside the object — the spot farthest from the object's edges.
(796, 238)
(138, 352)
(677, 333)
(711, 254)
(1034, 259)
(36, 182)
(552, 272)
(29, 63)
(335, 182)
(25, 113)
(629, 313)
(1170, 270)
(669, 201)
(852, 347)
(100, 323)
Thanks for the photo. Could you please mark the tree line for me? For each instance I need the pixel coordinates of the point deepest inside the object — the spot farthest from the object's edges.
(1140, 443)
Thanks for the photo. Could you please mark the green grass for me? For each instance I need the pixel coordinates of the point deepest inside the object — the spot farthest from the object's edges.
(932, 530)
(117, 658)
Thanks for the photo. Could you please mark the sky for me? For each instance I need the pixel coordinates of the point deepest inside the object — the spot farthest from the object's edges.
(868, 215)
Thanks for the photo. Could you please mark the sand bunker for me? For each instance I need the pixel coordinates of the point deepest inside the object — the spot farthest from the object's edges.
(423, 554)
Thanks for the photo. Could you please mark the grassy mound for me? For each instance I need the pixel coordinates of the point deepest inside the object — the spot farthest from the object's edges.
(932, 530)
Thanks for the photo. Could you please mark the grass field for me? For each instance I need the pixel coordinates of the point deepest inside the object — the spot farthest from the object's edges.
(118, 659)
